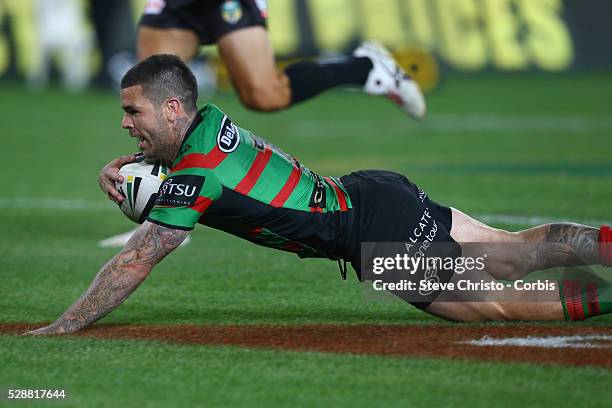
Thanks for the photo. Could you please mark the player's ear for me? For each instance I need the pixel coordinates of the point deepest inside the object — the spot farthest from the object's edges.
(172, 108)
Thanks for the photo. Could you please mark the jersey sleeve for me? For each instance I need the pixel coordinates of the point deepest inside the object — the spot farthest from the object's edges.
(183, 197)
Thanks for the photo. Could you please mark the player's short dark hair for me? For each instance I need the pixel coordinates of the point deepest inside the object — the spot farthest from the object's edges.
(164, 76)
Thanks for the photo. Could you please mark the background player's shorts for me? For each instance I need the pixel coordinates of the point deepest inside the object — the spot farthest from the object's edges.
(387, 207)
(210, 19)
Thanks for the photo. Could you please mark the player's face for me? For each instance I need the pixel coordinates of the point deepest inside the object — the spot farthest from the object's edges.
(144, 122)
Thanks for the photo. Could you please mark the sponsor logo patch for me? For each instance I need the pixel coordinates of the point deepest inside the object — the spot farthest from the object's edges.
(317, 197)
(231, 11)
(184, 148)
(228, 137)
(180, 191)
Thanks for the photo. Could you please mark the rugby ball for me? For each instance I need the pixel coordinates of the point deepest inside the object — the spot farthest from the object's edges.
(141, 182)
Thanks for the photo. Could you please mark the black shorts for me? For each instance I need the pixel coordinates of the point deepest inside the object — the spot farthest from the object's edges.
(387, 207)
(210, 19)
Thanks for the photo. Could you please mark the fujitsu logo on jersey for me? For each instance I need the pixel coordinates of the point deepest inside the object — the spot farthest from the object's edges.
(178, 191)
(228, 137)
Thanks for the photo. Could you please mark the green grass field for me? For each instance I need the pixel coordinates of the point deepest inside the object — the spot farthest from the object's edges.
(500, 147)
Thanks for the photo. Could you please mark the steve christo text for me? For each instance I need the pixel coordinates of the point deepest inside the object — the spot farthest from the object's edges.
(428, 286)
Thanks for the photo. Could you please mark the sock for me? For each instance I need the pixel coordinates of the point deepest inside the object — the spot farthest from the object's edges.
(605, 245)
(582, 300)
(310, 78)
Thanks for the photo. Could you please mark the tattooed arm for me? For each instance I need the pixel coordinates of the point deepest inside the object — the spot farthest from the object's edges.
(118, 278)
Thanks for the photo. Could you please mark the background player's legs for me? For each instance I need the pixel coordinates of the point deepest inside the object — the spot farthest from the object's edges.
(182, 43)
(249, 57)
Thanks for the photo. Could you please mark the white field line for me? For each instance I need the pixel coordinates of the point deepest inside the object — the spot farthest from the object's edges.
(48, 203)
(533, 220)
(493, 123)
(463, 123)
(32, 203)
(582, 342)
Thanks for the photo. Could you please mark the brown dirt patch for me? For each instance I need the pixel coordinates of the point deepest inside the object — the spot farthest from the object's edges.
(401, 341)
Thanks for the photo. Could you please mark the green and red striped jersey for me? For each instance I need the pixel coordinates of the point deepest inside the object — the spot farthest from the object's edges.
(230, 179)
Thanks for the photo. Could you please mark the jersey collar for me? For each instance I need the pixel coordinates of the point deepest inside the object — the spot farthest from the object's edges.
(199, 117)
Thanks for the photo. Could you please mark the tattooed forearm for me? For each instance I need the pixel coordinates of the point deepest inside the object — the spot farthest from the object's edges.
(121, 276)
(567, 245)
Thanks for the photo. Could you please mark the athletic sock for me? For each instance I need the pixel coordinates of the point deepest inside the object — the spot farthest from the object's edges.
(605, 245)
(310, 78)
(582, 300)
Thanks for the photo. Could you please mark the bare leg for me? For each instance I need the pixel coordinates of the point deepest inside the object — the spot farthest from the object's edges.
(182, 43)
(541, 247)
(497, 311)
(249, 57)
(505, 305)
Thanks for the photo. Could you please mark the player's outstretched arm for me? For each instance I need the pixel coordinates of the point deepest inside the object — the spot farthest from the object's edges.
(110, 173)
(118, 278)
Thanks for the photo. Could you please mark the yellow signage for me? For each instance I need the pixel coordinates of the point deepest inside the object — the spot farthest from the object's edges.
(466, 35)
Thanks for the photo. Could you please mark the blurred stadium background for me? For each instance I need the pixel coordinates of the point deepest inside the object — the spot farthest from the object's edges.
(519, 133)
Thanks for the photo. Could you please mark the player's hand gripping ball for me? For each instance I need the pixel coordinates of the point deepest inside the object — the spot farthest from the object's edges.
(140, 185)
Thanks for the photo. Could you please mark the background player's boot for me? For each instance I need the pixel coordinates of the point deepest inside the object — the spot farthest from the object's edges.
(388, 78)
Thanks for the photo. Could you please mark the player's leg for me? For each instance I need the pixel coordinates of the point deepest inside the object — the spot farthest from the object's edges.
(529, 310)
(170, 27)
(245, 47)
(468, 301)
(181, 42)
(371, 67)
(538, 248)
(560, 300)
(249, 57)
